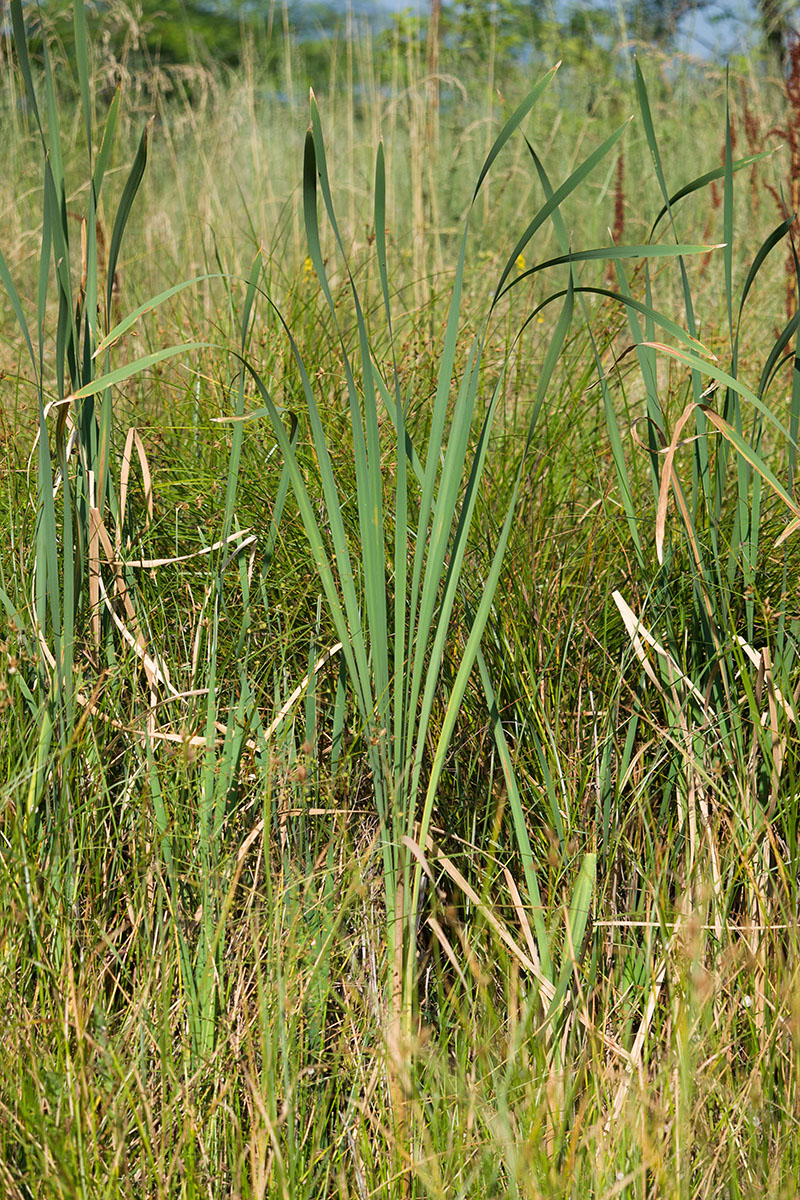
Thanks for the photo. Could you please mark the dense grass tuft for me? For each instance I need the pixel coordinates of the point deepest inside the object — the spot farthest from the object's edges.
(399, 664)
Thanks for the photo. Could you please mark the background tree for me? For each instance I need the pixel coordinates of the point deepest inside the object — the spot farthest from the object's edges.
(453, 32)
(774, 17)
(657, 21)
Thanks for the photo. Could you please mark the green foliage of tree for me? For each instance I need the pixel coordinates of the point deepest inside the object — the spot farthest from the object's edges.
(774, 16)
(656, 21)
(511, 27)
(586, 34)
(183, 31)
(165, 31)
(214, 32)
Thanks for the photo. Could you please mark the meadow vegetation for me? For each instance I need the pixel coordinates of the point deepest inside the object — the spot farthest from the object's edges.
(400, 667)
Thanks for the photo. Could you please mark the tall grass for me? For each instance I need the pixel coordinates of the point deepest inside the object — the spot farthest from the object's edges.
(410, 808)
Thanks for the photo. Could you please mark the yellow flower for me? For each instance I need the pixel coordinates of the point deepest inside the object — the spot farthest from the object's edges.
(520, 262)
(307, 266)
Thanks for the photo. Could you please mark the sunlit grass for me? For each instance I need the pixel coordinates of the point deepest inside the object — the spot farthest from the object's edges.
(398, 665)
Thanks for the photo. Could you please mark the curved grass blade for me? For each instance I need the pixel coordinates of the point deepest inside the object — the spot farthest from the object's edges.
(512, 124)
(750, 456)
(577, 921)
(519, 821)
(774, 360)
(122, 327)
(609, 254)
(13, 296)
(21, 47)
(133, 368)
(560, 194)
(238, 426)
(123, 212)
(401, 528)
(764, 250)
(109, 131)
(702, 181)
(728, 381)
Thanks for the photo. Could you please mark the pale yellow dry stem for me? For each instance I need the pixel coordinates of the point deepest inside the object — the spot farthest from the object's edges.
(668, 477)
(133, 440)
(638, 633)
(691, 805)
(522, 916)
(637, 1050)
(778, 742)
(443, 941)
(94, 564)
(546, 988)
(716, 871)
(397, 1066)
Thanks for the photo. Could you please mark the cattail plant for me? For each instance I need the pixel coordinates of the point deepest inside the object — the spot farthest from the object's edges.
(81, 499)
(75, 422)
(395, 623)
(726, 699)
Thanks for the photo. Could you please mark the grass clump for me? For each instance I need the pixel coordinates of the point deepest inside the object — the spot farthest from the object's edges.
(400, 666)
